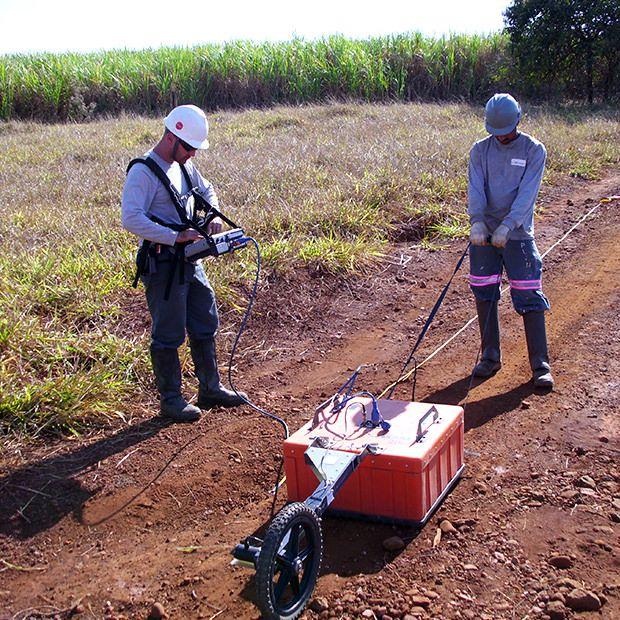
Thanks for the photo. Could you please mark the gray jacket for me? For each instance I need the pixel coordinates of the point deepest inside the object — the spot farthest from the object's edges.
(504, 180)
(144, 195)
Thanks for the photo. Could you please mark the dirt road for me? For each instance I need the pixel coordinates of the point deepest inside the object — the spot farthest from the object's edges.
(541, 489)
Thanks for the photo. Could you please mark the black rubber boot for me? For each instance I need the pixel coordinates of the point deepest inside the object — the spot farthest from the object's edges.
(167, 369)
(536, 336)
(488, 321)
(211, 392)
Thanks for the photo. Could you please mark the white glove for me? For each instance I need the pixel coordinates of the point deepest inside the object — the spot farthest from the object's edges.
(479, 233)
(500, 236)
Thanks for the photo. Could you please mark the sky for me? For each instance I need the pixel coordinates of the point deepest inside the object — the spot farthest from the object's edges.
(28, 26)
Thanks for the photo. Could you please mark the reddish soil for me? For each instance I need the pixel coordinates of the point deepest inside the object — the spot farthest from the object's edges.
(542, 477)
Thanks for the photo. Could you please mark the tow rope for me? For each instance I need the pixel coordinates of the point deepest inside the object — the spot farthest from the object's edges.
(429, 320)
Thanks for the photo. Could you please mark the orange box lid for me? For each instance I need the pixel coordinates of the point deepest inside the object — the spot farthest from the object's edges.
(417, 430)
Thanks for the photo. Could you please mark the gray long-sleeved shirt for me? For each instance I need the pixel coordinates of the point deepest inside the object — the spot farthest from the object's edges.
(144, 195)
(504, 180)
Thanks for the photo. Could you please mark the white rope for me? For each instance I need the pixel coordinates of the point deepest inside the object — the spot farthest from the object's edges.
(582, 219)
(473, 319)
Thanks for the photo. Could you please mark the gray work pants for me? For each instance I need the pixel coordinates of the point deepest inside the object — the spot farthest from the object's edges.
(190, 308)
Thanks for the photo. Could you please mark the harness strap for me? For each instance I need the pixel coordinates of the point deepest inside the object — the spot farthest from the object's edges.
(152, 165)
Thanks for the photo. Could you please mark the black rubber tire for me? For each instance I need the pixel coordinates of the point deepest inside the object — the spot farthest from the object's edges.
(293, 538)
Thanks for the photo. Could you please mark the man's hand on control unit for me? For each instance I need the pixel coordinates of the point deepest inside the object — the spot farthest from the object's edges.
(215, 226)
(187, 235)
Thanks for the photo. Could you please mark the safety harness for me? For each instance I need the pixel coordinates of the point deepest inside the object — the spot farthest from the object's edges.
(148, 250)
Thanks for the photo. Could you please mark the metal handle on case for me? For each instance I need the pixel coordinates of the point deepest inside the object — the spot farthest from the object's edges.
(421, 433)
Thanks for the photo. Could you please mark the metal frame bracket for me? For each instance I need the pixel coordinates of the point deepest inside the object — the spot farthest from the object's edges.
(332, 468)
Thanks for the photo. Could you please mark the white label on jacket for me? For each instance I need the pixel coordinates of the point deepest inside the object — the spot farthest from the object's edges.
(518, 162)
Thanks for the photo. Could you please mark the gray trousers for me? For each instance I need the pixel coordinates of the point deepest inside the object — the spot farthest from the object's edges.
(190, 308)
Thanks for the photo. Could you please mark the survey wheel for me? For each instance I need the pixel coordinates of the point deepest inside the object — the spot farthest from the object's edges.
(289, 561)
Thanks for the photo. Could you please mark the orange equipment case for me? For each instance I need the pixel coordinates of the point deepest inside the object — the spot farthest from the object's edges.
(413, 465)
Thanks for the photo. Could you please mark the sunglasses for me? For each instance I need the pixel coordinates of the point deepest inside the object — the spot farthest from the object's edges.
(187, 147)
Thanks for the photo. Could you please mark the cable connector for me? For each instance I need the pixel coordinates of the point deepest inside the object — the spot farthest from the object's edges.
(376, 419)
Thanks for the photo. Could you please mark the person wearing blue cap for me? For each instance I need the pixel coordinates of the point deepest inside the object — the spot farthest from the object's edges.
(505, 172)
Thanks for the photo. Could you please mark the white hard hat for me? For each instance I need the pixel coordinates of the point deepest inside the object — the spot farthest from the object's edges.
(502, 114)
(189, 123)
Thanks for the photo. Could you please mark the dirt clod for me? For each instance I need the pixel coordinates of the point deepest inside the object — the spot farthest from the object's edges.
(157, 612)
(561, 561)
(586, 482)
(447, 527)
(319, 604)
(394, 543)
(582, 600)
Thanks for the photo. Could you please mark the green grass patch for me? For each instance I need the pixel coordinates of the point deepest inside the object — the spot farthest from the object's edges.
(334, 255)
(63, 405)
(407, 66)
(62, 381)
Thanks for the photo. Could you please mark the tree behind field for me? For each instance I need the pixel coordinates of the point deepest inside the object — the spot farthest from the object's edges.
(574, 44)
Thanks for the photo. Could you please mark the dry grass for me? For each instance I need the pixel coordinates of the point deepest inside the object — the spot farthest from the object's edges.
(320, 187)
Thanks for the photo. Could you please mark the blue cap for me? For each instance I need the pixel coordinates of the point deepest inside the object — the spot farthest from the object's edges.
(502, 114)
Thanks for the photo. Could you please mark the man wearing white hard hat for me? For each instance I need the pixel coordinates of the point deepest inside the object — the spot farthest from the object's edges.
(505, 172)
(156, 205)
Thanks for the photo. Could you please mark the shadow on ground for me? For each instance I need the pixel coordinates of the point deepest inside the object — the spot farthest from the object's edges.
(479, 412)
(36, 497)
(350, 547)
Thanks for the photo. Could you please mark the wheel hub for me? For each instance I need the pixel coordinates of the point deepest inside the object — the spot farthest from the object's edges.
(297, 565)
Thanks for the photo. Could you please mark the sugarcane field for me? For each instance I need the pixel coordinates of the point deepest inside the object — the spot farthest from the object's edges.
(322, 326)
